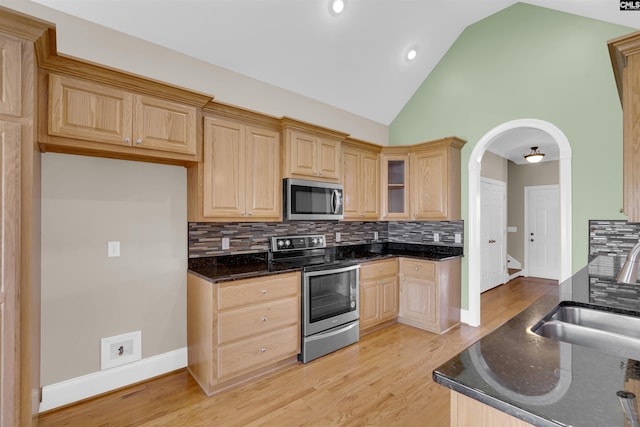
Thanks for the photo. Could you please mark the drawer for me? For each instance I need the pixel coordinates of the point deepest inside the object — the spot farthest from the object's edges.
(248, 321)
(375, 269)
(251, 291)
(415, 268)
(254, 353)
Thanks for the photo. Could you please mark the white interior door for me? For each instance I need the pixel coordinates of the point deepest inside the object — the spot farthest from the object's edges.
(542, 231)
(493, 227)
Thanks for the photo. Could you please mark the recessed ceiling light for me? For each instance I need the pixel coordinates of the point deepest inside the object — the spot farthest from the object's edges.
(336, 6)
(411, 55)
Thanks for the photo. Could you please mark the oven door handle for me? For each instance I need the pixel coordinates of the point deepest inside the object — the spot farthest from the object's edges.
(332, 271)
(324, 335)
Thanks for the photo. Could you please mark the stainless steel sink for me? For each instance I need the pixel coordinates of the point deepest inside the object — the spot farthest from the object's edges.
(609, 332)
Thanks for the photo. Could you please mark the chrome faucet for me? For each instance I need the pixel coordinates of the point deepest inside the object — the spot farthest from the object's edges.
(629, 272)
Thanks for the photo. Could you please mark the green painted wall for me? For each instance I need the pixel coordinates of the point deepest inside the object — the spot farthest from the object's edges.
(530, 62)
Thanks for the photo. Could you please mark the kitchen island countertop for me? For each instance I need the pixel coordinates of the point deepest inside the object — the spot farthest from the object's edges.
(547, 382)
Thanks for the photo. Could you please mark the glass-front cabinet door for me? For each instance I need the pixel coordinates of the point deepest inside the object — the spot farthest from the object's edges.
(395, 186)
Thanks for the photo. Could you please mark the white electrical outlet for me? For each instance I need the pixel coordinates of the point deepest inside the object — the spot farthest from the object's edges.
(120, 349)
(338, 237)
(375, 235)
(113, 249)
(436, 237)
(225, 243)
(458, 238)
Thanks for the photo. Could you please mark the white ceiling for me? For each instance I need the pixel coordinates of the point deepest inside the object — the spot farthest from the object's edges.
(355, 61)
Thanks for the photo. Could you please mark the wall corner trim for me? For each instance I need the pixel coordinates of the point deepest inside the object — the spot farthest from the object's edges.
(79, 388)
(465, 317)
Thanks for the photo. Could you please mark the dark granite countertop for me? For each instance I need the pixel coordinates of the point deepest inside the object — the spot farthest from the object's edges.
(546, 382)
(244, 266)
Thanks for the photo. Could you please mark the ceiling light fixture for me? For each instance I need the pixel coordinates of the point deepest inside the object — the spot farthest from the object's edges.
(411, 55)
(336, 6)
(534, 156)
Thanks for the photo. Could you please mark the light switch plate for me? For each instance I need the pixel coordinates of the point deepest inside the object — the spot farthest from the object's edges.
(225, 243)
(113, 249)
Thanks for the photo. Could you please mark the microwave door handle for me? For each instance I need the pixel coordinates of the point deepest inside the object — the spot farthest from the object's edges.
(335, 201)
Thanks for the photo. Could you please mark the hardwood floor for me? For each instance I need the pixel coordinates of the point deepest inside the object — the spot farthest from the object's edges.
(384, 380)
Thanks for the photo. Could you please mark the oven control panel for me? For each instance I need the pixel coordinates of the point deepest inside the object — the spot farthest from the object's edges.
(288, 243)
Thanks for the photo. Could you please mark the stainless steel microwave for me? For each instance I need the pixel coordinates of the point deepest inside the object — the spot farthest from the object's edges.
(312, 200)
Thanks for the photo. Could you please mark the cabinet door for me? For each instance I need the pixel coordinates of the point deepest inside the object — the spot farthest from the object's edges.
(9, 269)
(328, 166)
(430, 185)
(224, 177)
(370, 185)
(303, 153)
(395, 187)
(10, 76)
(369, 304)
(83, 110)
(263, 182)
(351, 182)
(631, 135)
(388, 290)
(163, 125)
(418, 304)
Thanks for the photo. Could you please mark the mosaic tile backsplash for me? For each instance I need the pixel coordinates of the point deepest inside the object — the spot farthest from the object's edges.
(611, 241)
(612, 238)
(205, 238)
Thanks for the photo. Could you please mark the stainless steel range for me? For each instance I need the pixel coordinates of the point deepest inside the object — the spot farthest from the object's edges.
(330, 294)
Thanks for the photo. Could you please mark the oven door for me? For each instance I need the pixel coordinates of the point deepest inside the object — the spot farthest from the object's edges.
(330, 297)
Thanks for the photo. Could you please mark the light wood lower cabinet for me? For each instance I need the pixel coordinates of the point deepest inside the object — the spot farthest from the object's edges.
(467, 412)
(430, 294)
(241, 329)
(378, 293)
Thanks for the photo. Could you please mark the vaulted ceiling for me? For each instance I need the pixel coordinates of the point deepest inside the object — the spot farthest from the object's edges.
(355, 61)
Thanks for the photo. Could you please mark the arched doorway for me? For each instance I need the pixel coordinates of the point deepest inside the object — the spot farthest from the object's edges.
(472, 317)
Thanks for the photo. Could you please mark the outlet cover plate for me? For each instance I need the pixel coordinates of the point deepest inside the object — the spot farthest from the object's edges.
(111, 353)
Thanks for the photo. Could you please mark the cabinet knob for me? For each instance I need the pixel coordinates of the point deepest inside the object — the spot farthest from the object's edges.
(264, 319)
(127, 139)
(264, 291)
(242, 213)
(263, 349)
(139, 141)
(417, 268)
(404, 279)
(250, 213)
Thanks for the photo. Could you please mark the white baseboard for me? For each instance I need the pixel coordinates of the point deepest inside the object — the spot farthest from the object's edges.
(75, 389)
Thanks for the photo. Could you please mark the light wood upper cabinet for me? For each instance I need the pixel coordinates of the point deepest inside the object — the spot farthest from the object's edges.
(395, 186)
(625, 58)
(430, 294)
(163, 125)
(239, 177)
(96, 113)
(435, 180)
(361, 181)
(10, 76)
(311, 152)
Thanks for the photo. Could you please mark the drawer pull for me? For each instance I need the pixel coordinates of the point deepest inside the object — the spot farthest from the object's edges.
(264, 291)
(417, 268)
(263, 350)
(264, 319)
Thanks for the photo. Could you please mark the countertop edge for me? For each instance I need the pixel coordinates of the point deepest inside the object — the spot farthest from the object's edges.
(241, 276)
(493, 402)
